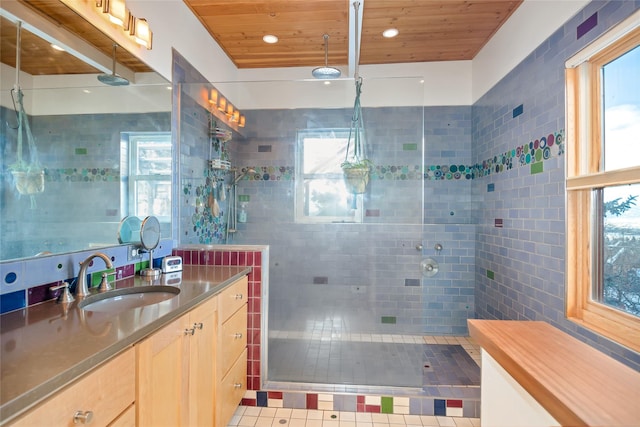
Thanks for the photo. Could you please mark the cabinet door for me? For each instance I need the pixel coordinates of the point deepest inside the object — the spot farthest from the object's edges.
(232, 298)
(233, 340)
(202, 349)
(104, 392)
(162, 364)
(231, 390)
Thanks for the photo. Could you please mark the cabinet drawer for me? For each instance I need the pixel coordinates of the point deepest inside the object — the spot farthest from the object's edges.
(233, 339)
(232, 298)
(106, 392)
(232, 389)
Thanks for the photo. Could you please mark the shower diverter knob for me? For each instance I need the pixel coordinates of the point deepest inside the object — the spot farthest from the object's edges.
(429, 267)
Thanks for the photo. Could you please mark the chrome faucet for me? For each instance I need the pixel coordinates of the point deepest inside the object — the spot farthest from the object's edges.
(82, 289)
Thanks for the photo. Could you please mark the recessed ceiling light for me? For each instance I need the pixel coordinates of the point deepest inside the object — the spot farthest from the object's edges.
(270, 38)
(390, 32)
(56, 47)
(327, 82)
(86, 91)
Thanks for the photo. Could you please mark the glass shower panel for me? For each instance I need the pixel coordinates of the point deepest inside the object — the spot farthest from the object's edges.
(344, 299)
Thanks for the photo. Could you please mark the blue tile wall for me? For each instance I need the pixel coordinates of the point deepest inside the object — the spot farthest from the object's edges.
(526, 257)
(79, 167)
(368, 265)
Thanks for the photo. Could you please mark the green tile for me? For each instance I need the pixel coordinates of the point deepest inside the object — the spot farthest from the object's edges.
(81, 151)
(536, 167)
(490, 274)
(96, 277)
(387, 405)
(409, 147)
(389, 319)
(243, 198)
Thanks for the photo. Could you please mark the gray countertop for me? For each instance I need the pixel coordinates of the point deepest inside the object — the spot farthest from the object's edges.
(47, 346)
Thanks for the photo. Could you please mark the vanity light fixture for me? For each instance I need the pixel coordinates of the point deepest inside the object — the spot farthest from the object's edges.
(117, 12)
(222, 104)
(270, 38)
(213, 98)
(56, 47)
(141, 32)
(390, 32)
(242, 121)
(230, 110)
(236, 116)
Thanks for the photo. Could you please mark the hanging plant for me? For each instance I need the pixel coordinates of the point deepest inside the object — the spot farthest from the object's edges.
(356, 167)
(27, 177)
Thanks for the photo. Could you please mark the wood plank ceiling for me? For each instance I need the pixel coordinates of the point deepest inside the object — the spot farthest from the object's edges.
(430, 30)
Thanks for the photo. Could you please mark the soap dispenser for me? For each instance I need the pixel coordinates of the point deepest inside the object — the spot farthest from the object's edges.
(242, 213)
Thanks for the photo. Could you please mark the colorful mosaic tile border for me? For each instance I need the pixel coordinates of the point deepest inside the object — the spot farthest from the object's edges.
(533, 152)
(82, 174)
(468, 408)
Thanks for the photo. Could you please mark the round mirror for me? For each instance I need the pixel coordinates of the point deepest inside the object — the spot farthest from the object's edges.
(150, 233)
(149, 238)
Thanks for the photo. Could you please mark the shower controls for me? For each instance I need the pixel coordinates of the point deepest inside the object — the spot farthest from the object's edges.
(419, 247)
(429, 267)
(438, 247)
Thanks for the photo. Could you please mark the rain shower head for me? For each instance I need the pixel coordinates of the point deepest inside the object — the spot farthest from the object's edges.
(326, 72)
(112, 79)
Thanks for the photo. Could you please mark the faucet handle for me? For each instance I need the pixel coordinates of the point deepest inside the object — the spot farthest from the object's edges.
(65, 296)
(104, 283)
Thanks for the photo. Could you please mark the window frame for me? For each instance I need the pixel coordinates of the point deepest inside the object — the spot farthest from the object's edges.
(133, 139)
(585, 175)
(300, 177)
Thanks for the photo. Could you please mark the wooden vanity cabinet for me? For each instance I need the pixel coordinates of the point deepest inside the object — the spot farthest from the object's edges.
(231, 363)
(105, 396)
(176, 373)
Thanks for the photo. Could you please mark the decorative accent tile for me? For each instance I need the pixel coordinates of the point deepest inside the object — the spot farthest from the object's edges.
(262, 399)
(518, 110)
(439, 407)
(386, 405)
(586, 26)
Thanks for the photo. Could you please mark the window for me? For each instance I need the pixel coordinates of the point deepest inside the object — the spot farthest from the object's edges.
(321, 195)
(149, 185)
(603, 185)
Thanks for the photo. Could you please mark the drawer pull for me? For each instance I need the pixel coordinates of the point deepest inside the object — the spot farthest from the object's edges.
(239, 296)
(237, 385)
(82, 417)
(190, 331)
(197, 325)
(238, 335)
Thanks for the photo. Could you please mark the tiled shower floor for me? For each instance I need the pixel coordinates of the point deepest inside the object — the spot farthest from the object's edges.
(373, 360)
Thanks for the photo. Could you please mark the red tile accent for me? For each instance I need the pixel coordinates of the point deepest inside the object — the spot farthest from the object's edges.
(360, 400)
(312, 401)
(217, 257)
(248, 402)
(274, 395)
(372, 408)
(454, 403)
(234, 258)
(257, 258)
(242, 256)
(360, 407)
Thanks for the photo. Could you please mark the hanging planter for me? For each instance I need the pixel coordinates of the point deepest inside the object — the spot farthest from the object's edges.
(356, 167)
(27, 182)
(28, 178)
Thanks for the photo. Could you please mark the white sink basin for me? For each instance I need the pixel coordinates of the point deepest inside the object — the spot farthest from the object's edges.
(128, 298)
